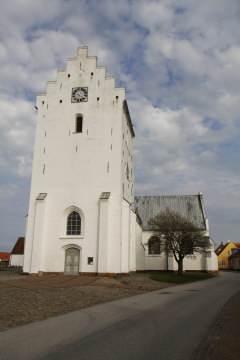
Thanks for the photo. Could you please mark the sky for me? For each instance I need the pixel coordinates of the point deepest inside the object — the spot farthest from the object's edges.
(179, 61)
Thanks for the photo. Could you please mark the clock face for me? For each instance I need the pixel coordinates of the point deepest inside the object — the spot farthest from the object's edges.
(79, 94)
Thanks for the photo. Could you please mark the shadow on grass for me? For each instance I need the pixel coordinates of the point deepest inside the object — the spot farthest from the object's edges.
(179, 279)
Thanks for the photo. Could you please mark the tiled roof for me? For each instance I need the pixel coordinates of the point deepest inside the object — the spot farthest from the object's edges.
(19, 246)
(220, 248)
(4, 256)
(189, 206)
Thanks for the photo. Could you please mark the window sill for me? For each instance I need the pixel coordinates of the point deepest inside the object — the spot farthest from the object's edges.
(71, 237)
(153, 255)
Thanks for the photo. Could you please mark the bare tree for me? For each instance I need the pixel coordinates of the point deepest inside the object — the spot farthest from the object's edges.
(178, 235)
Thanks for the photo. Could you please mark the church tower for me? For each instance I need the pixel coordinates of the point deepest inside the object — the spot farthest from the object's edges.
(80, 212)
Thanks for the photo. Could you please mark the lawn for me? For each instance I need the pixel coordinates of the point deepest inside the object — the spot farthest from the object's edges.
(179, 279)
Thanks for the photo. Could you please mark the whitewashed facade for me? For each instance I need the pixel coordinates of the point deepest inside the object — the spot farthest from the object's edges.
(81, 212)
(189, 206)
(82, 172)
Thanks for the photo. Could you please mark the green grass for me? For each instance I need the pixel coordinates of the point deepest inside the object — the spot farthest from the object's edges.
(179, 279)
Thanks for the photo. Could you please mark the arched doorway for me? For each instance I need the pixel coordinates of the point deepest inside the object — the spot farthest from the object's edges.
(72, 259)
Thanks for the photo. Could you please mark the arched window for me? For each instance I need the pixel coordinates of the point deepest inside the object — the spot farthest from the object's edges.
(74, 223)
(154, 245)
(79, 123)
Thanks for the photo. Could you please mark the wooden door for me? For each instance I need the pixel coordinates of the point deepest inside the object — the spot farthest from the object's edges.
(72, 257)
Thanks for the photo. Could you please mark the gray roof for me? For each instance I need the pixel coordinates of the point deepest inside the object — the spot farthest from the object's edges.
(189, 206)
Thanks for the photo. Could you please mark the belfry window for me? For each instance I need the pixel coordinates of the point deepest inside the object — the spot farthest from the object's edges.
(79, 123)
(154, 245)
(74, 224)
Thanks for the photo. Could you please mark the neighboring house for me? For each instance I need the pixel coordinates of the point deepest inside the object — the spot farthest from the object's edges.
(17, 254)
(223, 252)
(4, 256)
(219, 248)
(234, 258)
(82, 217)
(189, 206)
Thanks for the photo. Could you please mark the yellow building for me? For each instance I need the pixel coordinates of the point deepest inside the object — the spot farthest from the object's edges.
(223, 252)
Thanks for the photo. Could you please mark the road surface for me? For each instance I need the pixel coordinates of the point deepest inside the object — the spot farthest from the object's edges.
(167, 324)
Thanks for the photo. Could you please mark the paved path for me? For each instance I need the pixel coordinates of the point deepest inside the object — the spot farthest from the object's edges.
(165, 324)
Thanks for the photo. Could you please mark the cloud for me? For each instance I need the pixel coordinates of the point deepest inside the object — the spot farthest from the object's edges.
(17, 128)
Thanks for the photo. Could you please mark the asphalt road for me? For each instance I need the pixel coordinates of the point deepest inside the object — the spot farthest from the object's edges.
(166, 324)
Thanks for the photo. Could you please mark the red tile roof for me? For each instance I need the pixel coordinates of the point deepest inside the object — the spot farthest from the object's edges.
(4, 256)
(220, 248)
(19, 246)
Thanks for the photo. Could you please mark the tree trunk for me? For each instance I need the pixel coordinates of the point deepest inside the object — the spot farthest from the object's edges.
(180, 267)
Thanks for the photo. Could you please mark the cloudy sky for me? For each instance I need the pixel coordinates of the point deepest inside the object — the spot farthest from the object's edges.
(180, 63)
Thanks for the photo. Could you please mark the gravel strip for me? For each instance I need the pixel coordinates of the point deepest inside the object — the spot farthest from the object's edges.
(25, 299)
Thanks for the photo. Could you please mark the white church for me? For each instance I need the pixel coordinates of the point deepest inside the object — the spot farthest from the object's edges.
(83, 217)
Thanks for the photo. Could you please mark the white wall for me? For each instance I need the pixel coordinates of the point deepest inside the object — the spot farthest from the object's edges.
(16, 260)
(75, 168)
(140, 250)
(195, 262)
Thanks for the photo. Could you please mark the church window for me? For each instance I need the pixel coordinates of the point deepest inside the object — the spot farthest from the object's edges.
(154, 246)
(60, 101)
(79, 121)
(97, 98)
(69, 75)
(74, 224)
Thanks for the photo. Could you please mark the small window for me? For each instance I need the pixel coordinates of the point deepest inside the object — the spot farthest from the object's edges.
(73, 224)
(79, 123)
(223, 263)
(228, 253)
(90, 260)
(154, 246)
